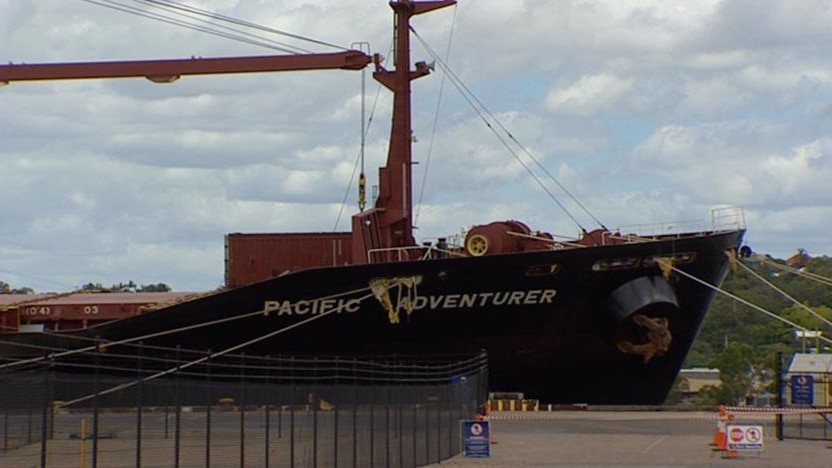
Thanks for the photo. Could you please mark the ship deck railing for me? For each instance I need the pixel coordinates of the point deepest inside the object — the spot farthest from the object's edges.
(411, 253)
(729, 218)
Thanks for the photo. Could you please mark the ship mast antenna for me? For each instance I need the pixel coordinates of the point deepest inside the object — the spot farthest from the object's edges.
(390, 223)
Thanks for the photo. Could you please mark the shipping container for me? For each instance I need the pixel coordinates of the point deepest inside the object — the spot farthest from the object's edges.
(250, 258)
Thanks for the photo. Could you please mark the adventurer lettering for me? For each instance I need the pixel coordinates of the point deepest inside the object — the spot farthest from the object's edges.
(431, 302)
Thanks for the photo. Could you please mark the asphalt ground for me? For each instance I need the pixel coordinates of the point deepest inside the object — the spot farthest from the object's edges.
(632, 439)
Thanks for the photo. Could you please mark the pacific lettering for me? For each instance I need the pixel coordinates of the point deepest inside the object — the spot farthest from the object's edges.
(311, 307)
(305, 307)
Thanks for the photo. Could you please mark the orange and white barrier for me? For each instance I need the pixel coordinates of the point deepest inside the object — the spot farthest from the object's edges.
(726, 416)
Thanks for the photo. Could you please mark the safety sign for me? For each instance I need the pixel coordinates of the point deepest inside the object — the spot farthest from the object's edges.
(744, 438)
(476, 436)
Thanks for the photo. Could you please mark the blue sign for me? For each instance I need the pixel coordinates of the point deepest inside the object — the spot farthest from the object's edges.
(803, 390)
(476, 437)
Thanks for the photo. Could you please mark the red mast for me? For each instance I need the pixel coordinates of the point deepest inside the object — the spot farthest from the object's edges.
(390, 223)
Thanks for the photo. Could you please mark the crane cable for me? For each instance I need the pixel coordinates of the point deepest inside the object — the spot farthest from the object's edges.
(488, 117)
(216, 16)
(230, 33)
(435, 119)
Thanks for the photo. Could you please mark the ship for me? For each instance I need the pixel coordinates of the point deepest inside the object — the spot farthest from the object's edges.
(607, 317)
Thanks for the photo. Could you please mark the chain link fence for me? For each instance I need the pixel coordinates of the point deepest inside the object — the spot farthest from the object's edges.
(142, 406)
(808, 394)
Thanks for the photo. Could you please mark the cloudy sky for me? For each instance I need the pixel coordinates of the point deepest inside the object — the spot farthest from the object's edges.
(647, 111)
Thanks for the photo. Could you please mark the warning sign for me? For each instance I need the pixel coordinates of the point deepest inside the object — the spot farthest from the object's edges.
(744, 438)
(476, 438)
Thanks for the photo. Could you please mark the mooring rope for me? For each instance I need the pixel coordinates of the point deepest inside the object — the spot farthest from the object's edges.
(743, 301)
(95, 346)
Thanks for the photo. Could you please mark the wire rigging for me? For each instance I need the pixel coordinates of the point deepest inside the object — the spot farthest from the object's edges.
(149, 335)
(213, 15)
(743, 301)
(487, 118)
(784, 294)
(217, 354)
(192, 14)
(184, 15)
(806, 274)
(435, 121)
(360, 158)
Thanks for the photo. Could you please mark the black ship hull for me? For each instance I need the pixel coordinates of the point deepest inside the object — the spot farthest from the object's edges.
(551, 321)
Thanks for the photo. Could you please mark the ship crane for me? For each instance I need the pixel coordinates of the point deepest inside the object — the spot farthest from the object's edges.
(170, 70)
(389, 224)
(167, 71)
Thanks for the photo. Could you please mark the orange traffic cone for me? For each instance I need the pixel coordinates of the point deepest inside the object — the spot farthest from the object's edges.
(720, 437)
(730, 454)
(727, 453)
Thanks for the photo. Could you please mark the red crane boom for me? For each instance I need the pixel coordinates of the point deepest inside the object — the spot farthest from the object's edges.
(165, 71)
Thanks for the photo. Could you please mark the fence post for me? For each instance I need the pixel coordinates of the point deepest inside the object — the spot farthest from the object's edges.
(242, 409)
(315, 403)
(449, 398)
(293, 384)
(389, 385)
(167, 406)
(208, 412)
(280, 405)
(139, 403)
(47, 392)
(96, 366)
(415, 421)
(177, 405)
(335, 417)
(267, 405)
(354, 413)
(6, 429)
(778, 371)
(400, 413)
(438, 431)
(427, 432)
(372, 427)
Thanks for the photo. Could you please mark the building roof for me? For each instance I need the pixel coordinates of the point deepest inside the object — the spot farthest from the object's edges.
(699, 377)
(810, 363)
(79, 298)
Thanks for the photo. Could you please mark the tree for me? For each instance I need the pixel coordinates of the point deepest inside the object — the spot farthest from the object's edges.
(735, 366)
(93, 287)
(6, 288)
(158, 287)
(129, 286)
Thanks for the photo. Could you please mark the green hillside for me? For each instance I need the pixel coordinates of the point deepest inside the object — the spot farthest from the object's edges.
(743, 342)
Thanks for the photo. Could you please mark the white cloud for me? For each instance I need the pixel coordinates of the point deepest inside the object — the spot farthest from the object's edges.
(645, 110)
(588, 95)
